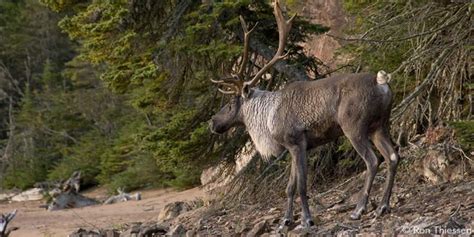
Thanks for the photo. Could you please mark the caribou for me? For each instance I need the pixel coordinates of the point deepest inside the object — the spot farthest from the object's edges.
(306, 114)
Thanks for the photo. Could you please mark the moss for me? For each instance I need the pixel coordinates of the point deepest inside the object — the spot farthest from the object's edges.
(464, 131)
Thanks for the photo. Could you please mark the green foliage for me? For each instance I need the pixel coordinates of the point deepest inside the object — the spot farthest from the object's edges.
(464, 133)
(157, 56)
(34, 150)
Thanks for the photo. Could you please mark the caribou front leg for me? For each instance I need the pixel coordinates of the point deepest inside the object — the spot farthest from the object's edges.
(298, 155)
(290, 193)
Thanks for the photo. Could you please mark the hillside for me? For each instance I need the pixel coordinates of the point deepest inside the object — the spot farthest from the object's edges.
(180, 94)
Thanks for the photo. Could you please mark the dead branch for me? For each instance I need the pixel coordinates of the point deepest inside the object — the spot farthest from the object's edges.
(435, 68)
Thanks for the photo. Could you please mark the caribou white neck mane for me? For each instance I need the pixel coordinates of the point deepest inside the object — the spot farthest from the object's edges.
(257, 114)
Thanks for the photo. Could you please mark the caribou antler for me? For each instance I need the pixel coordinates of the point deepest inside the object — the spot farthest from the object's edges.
(284, 27)
(236, 83)
(245, 54)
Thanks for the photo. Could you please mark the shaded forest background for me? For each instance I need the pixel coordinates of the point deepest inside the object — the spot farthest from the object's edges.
(120, 90)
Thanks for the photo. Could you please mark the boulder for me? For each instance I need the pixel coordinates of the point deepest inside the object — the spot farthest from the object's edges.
(89, 233)
(29, 195)
(191, 233)
(177, 231)
(216, 177)
(258, 229)
(440, 164)
(111, 233)
(153, 230)
(299, 232)
(172, 210)
(220, 175)
(7, 195)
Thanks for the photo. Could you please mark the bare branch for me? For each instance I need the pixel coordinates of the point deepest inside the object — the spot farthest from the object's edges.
(435, 67)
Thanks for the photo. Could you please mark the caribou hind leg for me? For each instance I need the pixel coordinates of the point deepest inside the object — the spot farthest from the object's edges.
(382, 141)
(361, 144)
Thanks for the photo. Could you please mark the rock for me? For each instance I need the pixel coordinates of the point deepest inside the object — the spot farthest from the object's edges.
(111, 233)
(29, 195)
(283, 230)
(190, 233)
(128, 233)
(245, 155)
(299, 232)
(7, 195)
(346, 233)
(258, 229)
(89, 233)
(272, 219)
(200, 224)
(240, 227)
(216, 177)
(153, 230)
(172, 210)
(220, 175)
(135, 229)
(177, 231)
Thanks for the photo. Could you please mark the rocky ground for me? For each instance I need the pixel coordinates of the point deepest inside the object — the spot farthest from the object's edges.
(433, 195)
(417, 208)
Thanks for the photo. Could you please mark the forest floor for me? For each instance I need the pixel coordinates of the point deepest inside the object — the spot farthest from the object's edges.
(417, 208)
(35, 221)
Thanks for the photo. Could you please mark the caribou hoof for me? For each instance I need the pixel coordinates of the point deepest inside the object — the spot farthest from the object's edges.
(309, 223)
(356, 214)
(284, 224)
(305, 225)
(383, 209)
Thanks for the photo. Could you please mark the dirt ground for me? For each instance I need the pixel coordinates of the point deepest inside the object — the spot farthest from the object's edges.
(35, 221)
(415, 207)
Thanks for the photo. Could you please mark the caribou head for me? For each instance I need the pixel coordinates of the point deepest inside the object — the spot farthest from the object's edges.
(237, 85)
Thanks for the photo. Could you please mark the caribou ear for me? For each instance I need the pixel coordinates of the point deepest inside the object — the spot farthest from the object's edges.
(246, 91)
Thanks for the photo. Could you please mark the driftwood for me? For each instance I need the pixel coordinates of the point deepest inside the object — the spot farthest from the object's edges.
(123, 197)
(70, 200)
(67, 195)
(5, 219)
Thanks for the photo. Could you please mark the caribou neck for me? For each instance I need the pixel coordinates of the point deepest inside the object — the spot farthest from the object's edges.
(257, 115)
